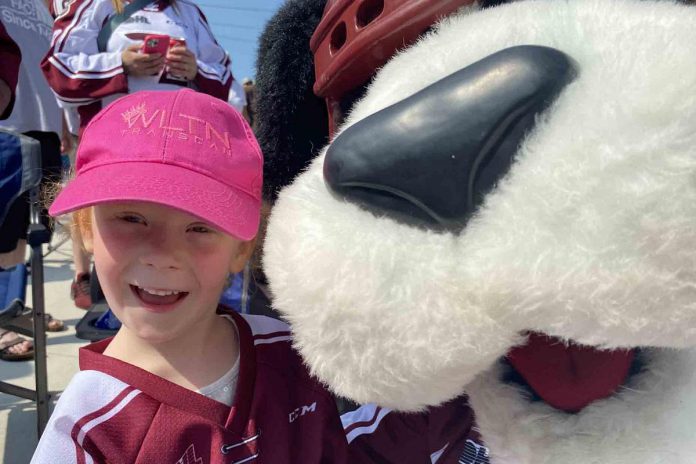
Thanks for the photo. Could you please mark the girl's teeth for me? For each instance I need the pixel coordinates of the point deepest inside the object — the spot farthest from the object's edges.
(159, 292)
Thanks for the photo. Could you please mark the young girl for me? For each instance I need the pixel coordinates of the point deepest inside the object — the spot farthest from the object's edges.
(168, 191)
(86, 77)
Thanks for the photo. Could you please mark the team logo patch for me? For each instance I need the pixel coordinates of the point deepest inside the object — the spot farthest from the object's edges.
(135, 112)
(474, 454)
(137, 19)
(140, 120)
(190, 457)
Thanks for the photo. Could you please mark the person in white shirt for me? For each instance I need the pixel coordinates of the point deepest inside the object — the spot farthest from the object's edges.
(83, 76)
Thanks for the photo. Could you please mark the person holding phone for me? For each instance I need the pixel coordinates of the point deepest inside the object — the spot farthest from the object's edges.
(84, 76)
(87, 77)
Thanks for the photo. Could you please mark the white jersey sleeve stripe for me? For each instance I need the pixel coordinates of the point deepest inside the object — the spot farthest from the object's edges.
(79, 101)
(65, 70)
(263, 325)
(106, 416)
(61, 7)
(363, 420)
(437, 454)
(267, 341)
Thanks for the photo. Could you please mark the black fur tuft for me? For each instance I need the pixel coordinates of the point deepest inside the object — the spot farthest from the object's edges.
(292, 123)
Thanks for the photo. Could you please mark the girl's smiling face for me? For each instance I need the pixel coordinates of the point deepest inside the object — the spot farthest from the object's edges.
(162, 270)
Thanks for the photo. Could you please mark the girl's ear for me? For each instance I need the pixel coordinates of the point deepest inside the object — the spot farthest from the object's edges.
(243, 254)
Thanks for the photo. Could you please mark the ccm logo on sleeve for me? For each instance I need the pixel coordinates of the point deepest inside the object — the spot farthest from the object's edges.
(301, 411)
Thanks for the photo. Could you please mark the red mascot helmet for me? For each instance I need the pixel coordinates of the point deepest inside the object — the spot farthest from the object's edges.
(354, 38)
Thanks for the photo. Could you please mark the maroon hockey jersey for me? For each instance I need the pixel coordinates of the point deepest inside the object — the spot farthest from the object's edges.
(113, 412)
(444, 435)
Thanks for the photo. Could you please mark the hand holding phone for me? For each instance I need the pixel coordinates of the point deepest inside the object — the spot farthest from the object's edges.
(156, 43)
(137, 63)
(181, 62)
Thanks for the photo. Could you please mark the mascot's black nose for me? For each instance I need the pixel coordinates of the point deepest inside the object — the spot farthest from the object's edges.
(430, 159)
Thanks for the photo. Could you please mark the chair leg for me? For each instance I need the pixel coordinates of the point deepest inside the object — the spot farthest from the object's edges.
(42, 396)
(51, 248)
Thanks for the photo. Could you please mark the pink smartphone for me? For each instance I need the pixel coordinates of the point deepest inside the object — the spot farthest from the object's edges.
(174, 41)
(156, 43)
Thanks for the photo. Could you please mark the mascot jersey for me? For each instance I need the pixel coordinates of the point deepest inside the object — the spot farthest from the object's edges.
(115, 412)
(443, 435)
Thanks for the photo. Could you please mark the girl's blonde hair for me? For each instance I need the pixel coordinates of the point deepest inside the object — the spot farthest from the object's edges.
(118, 5)
(79, 221)
(82, 221)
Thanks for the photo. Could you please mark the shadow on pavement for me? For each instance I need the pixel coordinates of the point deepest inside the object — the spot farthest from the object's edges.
(67, 338)
(58, 272)
(21, 437)
(10, 371)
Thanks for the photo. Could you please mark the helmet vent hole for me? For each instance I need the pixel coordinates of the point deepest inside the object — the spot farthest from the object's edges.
(368, 11)
(338, 37)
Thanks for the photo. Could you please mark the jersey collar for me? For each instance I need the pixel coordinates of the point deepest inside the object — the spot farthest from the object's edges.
(234, 418)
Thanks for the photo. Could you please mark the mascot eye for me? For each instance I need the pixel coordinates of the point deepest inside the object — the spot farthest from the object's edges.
(429, 160)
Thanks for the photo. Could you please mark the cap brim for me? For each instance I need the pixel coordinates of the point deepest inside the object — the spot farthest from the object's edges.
(232, 211)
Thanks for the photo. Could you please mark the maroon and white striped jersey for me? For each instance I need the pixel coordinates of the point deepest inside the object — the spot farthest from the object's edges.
(83, 76)
(113, 412)
(444, 435)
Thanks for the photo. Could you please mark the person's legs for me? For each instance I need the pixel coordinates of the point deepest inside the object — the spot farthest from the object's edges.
(12, 346)
(82, 260)
(14, 257)
(13, 233)
(79, 289)
(13, 244)
(51, 162)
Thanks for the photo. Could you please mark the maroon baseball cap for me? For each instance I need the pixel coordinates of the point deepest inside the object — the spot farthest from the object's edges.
(182, 149)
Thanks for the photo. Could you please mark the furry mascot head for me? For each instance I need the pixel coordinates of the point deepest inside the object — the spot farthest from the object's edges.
(508, 210)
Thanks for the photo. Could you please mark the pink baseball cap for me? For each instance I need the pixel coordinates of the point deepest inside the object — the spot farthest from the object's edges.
(182, 149)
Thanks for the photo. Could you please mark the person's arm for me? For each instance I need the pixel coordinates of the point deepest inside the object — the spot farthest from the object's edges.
(237, 98)
(74, 68)
(214, 76)
(10, 57)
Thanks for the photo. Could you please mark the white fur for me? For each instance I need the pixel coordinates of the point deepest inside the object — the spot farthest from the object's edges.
(650, 422)
(590, 237)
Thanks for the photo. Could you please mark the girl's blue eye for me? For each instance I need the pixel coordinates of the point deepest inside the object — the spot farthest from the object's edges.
(200, 229)
(132, 219)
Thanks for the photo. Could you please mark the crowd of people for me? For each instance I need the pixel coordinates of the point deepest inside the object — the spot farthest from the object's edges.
(70, 60)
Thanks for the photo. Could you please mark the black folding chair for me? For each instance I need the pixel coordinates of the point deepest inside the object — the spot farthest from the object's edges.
(20, 172)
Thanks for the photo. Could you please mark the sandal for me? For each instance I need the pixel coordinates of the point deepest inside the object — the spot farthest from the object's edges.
(8, 339)
(53, 325)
